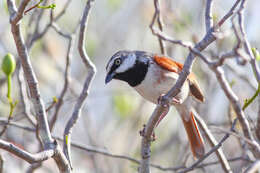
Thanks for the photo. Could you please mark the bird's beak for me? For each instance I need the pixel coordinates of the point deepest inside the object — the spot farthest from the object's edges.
(109, 77)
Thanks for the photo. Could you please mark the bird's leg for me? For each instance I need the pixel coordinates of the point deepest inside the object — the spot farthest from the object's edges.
(160, 99)
(174, 101)
(164, 113)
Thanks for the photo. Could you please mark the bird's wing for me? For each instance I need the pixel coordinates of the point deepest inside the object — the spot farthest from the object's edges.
(173, 66)
(168, 64)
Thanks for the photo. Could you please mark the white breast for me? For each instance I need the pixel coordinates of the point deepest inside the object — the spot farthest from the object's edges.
(158, 82)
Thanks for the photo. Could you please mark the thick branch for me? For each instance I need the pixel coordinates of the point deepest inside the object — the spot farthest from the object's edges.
(32, 82)
(39, 107)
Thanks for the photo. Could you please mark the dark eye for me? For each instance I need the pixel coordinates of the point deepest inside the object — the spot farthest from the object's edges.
(118, 61)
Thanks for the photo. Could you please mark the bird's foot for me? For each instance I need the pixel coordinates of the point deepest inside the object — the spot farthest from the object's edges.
(161, 101)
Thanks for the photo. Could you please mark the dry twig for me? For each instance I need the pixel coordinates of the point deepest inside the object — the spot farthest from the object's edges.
(42, 124)
(213, 142)
(90, 75)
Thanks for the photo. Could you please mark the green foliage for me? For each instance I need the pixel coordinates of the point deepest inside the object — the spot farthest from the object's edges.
(55, 99)
(8, 67)
(247, 102)
(91, 46)
(124, 104)
(5, 6)
(183, 23)
(232, 83)
(8, 64)
(215, 17)
(52, 6)
(114, 4)
(256, 53)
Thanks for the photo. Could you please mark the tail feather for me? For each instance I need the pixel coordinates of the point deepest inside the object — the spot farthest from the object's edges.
(194, 136)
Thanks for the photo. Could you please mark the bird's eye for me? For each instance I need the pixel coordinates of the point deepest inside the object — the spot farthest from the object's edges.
(118, 61)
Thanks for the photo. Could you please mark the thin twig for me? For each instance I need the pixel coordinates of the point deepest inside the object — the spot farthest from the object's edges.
(30, 158)
(236, 135)
(133, 160)
(124, 157)
(24, 97)
(247, 45)
(20, 126)
(253, 61)
(213, 142)
(208, 15)
(254, 168)
(63, 11)
(228, 15)
(71, 38)
(1, 164)
(157, 15)
(32, 7)
(10, 117)
(90, 76)
(33, 167)
(216, 147)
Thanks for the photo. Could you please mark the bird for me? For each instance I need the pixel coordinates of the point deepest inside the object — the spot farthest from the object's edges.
(152, 76)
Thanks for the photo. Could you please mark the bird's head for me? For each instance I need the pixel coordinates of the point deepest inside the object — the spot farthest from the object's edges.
(128, 66)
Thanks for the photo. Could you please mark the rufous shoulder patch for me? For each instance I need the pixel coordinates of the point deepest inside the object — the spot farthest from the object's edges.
(168, 64)
(173, 66)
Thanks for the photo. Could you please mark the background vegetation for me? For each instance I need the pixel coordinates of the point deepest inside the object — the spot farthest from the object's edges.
(112, 115)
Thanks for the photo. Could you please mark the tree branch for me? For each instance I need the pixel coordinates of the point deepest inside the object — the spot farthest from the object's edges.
(160, 109)
(71, 39)
(157, 15)
(208, 15)
(90, 76)
(216, 147)
(39, 108)
(30, 158)
(213, 142)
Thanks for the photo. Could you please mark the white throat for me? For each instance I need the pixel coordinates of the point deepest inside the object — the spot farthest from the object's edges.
(128, 63)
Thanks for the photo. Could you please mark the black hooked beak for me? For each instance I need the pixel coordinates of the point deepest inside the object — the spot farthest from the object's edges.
(109, 77)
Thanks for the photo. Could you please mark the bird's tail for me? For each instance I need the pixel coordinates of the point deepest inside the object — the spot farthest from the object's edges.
(194, 136)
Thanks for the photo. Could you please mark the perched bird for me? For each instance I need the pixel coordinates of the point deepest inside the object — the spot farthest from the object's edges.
(152, 76)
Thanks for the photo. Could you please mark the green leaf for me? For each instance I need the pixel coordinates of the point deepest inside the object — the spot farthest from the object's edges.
(114, 4)
(256, 53)
(55, 99)
(124, 104)
(232, 83)
(91, 46)
(52, 6)
(247, 102)
(5, 6)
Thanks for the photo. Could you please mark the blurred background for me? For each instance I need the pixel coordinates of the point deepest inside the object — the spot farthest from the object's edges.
(113, 114)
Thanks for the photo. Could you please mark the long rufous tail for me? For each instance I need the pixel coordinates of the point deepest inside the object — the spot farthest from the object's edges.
(195, 139)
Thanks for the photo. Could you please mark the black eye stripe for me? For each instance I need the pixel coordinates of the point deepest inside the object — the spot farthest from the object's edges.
(115, 65)
(113, 68)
